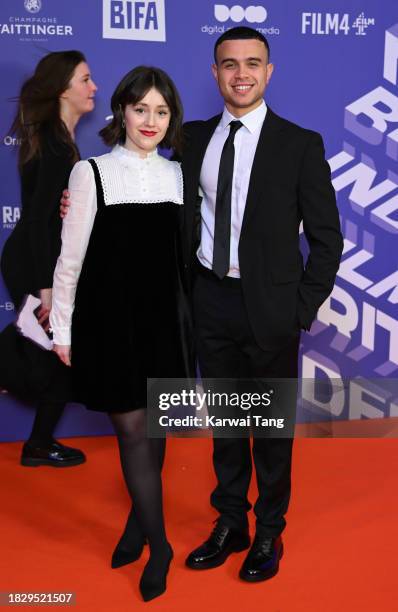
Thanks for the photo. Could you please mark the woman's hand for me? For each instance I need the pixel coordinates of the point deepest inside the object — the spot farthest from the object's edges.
(43, 311)
(64, 353)
(46, 296)
(64, 204)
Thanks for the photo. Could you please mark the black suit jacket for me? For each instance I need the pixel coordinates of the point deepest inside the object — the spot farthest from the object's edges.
(289, 183)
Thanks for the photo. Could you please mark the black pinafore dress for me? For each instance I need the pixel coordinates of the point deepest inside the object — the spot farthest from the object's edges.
(131, 320)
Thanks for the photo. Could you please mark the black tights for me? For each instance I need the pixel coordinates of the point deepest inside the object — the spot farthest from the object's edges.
(142, 459)
(47, 417)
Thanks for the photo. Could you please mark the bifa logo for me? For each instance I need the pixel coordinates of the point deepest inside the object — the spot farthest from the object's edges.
(134, 20)
(11, 215)
(251, 14)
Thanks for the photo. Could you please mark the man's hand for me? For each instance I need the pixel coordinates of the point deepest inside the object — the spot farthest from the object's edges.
(64, 204)
(63, 352)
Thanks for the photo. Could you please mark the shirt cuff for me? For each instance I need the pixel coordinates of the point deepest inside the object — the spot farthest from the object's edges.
(61, 336)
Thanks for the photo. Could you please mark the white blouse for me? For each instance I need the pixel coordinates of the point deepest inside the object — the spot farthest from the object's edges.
(126, 178)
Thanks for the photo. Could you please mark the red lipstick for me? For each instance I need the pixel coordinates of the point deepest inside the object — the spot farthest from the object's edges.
(148, 133)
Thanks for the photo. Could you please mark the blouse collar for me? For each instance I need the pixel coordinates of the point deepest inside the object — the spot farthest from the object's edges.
(121, 151)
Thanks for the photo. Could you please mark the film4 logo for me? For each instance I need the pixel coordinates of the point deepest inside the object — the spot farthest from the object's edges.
(334, 23)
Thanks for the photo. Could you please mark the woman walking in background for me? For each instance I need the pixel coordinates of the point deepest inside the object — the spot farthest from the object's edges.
(50, 106)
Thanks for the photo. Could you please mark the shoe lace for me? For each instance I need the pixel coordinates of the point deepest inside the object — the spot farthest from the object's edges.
(264, 546)
(219, 534)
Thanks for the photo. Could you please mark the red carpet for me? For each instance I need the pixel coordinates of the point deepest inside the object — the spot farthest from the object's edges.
(59, 527)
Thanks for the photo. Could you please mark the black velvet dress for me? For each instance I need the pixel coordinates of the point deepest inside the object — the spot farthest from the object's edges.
(131, 320)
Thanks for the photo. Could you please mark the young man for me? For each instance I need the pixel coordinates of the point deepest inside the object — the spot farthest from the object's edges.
(259, 176)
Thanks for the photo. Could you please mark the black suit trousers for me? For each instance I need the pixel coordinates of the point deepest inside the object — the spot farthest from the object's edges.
(227, 349)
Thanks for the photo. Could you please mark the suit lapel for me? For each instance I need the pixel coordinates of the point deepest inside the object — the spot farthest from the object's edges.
(192, 164)
(262, 163)
(197, 152)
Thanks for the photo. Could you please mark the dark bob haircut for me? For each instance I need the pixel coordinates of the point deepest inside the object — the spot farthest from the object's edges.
(241, 33)
(131, 89)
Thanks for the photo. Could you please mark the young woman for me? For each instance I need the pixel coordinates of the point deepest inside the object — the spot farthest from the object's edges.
(50, 105)
(118, 275)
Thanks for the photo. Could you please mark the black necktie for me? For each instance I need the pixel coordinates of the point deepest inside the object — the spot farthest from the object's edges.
(222, 226)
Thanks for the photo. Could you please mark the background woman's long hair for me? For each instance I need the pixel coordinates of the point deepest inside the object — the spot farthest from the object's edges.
(39, 105)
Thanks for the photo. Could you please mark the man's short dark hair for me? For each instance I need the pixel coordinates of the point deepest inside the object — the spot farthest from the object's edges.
(241, 33)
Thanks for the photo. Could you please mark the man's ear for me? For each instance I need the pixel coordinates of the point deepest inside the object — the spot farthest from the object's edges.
(270, 70)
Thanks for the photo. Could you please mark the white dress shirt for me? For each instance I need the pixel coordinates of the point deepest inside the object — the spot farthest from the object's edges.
(126, 178)
(246, 140)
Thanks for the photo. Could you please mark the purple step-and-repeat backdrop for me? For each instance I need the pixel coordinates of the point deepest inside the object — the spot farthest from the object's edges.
(335, 72)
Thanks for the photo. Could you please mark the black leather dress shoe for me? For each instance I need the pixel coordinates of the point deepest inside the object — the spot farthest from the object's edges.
(222, 542)
(262, 561)
(53, 454)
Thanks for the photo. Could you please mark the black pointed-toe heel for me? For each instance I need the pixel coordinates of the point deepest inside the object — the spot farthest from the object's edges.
(153, 584)
(122, 557)
(131, 544)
